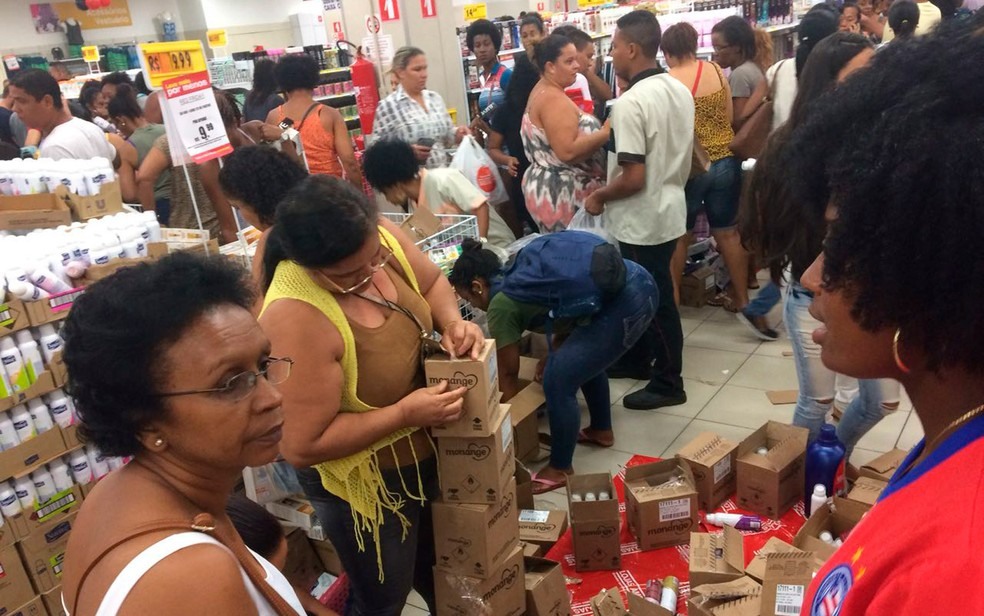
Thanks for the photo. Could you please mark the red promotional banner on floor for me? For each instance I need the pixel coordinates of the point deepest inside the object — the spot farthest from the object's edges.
(639, 567)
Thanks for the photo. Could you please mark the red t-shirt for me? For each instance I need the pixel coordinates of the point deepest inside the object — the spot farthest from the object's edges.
(920, 550)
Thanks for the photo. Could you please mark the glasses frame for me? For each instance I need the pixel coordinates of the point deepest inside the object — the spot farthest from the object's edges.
(227, 388)
(373, 269)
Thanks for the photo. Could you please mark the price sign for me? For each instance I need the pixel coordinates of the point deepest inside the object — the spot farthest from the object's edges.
(90, 53)
(586, 3)
(192, 119)
(162, 61)
(389, 10)
(475, 11)
(428, 8)
(217, 38)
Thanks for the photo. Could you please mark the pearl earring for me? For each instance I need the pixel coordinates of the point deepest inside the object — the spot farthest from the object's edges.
(159, 442)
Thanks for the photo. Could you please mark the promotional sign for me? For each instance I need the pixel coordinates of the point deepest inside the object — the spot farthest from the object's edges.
(161, 61)
(428, 8)
(51, 17)
(475, 11)
(90, 53)
(191, 117)
(372, 24)
(389, 10)
(217, 39)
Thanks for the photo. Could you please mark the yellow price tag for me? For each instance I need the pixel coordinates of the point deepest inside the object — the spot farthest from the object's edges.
(161, 61)
(90, 53)
(476, 11)
(217, 38)
(586, 3)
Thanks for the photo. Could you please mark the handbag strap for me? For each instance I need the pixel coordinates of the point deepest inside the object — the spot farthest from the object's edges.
(700, 69)
(307, 113)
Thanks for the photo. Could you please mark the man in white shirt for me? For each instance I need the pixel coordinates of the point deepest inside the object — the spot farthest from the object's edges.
(39, 104)
(653, 137)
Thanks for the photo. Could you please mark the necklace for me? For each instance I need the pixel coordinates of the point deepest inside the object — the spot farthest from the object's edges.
(974, 412)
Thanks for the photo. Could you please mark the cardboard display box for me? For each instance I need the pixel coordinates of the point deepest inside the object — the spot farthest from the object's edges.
(866, 491)
(714, 462)
(741, 597)
(838, 518)
(15, 586)
(546, 589)
(25, 457)
(29, 212)
(542, 528)
(473, 539)
(108, 201)
(661, 503)
(13, 316)
(52, 602)
(884, 466)
(697, 287)
(62, 506)
(44, 551)
(421, 224)
(531, 550)
(716, 558)
(481, 377)
(609, 603)
(34, 607)
(524, 487)
(52, 309)
(772, 483)
(303, 567)
(328, 555)
(504, 592)
(787, 576)
(756, 567)
(297, 511)
(524, 411)
(595, 525)
(475, 469)
(44, 384)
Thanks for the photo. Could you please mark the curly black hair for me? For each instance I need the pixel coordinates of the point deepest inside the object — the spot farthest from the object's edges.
(908, 186)
(259, 177)
(737, 32)
(297, 71)
(389, 162)
(90, 91)
(118, 331)
(480, 27)
(117, 78)
(475, 262)
(124, 104)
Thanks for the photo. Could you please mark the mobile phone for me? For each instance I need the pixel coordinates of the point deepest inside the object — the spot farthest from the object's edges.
(286, 123)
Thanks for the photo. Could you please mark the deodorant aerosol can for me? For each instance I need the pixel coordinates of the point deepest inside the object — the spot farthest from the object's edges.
(61, 475)
(27, 494)
(8, 436)
(9, 504)
(81, 471)
(44, 484)
(23, 423)
(97, 462)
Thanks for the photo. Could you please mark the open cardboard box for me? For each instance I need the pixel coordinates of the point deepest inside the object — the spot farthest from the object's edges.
(717, 557)
(524, 487)
(52, 602)
(34, 607)
(866, 491)
(524, 411)
(713, 460)
(476, 469)
(770, 484)
(839, 518)
(15, 586)
(661, 503)
(739, 597)
(697, 287)
(60, 507)
(609, 603)
(421, 224)
(52, 309)
(546, 588)
(473, 539)
(25, 457)
(595, 525)
(542, 528)
(43, 552)
(13, 316)
(504, 592)
(756, 567)
(44, 384)
(481, 377)
(884, 466)
(29, 212)
(108, 201)
(787, 577)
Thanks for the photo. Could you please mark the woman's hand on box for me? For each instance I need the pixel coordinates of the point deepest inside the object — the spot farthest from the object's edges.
(433, 406)
(461, 337)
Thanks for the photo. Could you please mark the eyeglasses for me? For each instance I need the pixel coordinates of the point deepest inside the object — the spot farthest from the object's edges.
(720, 48)
(275, 370)
(382, 258)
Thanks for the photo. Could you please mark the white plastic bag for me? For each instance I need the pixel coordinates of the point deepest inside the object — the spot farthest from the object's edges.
(475, 164)
(583, 221)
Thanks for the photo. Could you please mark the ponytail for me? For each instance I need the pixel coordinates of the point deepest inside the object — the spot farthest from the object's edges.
(475, 262)
(273, 253)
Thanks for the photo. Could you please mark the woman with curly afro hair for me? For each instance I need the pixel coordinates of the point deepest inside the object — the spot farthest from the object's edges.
(898, 291)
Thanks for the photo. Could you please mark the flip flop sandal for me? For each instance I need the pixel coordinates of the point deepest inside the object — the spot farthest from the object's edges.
(582, 437)
(729, 305)
(542, 486)
(718, 300)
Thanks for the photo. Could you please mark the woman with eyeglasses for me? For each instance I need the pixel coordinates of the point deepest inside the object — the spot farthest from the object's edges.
(355, 303)
(168, 365)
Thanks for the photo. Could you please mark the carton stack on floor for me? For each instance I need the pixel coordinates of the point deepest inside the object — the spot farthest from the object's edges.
(476, 520)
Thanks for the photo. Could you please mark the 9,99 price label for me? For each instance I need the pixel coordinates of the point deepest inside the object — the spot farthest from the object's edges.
(193, 114)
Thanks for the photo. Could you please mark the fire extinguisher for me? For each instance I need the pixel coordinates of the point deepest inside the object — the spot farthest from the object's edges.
(366, 89)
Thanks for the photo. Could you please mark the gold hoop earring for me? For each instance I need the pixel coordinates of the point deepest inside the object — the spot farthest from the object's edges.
(897, 355)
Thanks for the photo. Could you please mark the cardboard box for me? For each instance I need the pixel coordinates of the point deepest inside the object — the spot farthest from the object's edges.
(531, 550)
(638, 606)
(609, 603)
(45, 383)
(546, 589)
(787, 576)
(13, 529)
(772, 483)
(866, 491)
(60, 507)
(328, 555)
(595, 525)
(58, 369)
(303, 567)
(524, 406)
(481, 377)
(838, 518)
(29, 212)
(697, 287)
(52, 602)
(159, 250)
(52, 309)
(95, 273)
(741, 597)
(71, 436)
(884, 466)
(524, 487)
(25, 457)
(504, 592)
(34, 607)
(756, 567)
(44, 551)
(473, 539)
(542, 528)
(13, 316)
(716, 558)
(714, 462)
(421, 224)
(295, 510)
(475, 469)
(661, 503)
(15, 586)
(108, 201)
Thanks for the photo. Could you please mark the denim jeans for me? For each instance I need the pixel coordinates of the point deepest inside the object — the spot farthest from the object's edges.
(817, 383)
(767, 298)
(580, 362)
(407, 562)
(662, 344)
(717, 191)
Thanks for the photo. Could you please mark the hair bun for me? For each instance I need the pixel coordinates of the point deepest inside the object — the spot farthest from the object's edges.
(470, 244)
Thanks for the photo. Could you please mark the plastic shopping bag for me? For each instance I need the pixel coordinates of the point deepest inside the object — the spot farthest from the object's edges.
(583, 221)
(475, 164)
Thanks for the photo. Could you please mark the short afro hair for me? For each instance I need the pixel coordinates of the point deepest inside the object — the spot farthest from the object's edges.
(907, 183)
(39, 84)
(117, 79)
(118, 331)
(259, 177)
(297, 71)
(486, 27)
(389, 162)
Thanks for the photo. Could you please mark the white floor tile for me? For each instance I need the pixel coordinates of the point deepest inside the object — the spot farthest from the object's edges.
(768, 373)
(410, 610)
(886, 433)
(744, 407)
(724, 336)
(776, 348)
(617, 388)
(912, 433)
(698, 395)
(709, 366)
(697, 426)
(861, 456)
(417, 602)
(646, 433)
(689, 325)
(597, 460)
(699, 314)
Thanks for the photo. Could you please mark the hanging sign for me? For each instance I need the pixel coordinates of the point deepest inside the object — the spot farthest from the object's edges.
(161, 61)
(389, 10)
(428, 8)
(475, 11)
(191, 117)
(217, 39)
(372, 24)
(90, 53)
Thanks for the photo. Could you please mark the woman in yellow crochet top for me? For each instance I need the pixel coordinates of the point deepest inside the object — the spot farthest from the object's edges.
(349, 296)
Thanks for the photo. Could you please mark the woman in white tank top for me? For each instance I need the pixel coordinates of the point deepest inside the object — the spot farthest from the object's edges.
(168, 365)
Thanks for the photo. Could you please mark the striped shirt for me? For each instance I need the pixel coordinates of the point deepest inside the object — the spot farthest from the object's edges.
(400, 117)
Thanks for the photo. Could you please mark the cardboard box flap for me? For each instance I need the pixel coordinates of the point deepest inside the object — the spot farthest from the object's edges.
(421, 224)
(734, 548)
(849, 510)
(746, 606)
(608, 603)
(525, 403)
(659, 480)
(867, 490)
(638, 606)
(886, 462)
(735, 589)
(756, 568)
(707, 448)
(717, 553)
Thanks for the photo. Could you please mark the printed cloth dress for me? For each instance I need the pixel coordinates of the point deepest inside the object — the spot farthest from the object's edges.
(555, 190)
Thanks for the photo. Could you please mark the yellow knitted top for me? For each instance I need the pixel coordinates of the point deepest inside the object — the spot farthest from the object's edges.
(356, 479)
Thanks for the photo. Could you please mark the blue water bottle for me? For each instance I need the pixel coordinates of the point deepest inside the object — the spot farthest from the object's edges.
(825, 465)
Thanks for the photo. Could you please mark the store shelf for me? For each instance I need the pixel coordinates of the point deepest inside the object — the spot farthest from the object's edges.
(236, 86)
(333, 97)
(332, 71)
(505, 52)
(781, 27)
(701, 51)
(351, 120)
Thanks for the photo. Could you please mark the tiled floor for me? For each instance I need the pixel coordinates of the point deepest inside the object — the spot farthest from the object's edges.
(727, 372)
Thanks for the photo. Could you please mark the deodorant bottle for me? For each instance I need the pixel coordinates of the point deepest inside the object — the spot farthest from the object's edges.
(27, 494)
(30, 353)
(81, 471)
(61, 475)
(41, 416)
(23, 423)
(61, 409)
(8, 435)
(51, 342)
(44, 484)
(9, 504)
(97, 462)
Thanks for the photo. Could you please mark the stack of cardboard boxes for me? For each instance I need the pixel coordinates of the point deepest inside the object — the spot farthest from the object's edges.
(476, 520)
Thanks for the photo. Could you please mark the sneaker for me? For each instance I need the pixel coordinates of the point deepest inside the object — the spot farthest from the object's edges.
(757, 326)
(645, 400)
(639, 372)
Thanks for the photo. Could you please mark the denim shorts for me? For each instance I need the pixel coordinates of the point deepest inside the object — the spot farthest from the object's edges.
(717, 191)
